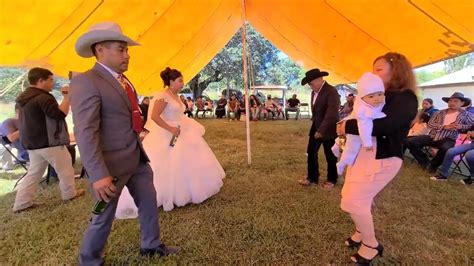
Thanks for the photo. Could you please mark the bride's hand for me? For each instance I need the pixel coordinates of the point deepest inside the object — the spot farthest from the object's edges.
(175, 131)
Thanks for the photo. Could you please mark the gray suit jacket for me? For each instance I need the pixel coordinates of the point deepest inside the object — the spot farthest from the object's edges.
(103, 125)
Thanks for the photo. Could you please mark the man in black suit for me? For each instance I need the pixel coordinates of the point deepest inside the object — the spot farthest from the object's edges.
(325, 106)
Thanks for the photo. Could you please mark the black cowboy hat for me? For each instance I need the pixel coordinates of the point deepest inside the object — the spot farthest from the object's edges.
(459, 96)
(313, 74)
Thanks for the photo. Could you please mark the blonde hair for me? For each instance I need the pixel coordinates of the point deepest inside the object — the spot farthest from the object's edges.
(403, 77)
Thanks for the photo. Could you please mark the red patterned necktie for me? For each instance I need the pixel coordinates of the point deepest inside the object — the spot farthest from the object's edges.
(136, 116)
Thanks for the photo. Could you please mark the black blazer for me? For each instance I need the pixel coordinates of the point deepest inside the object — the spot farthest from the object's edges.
(325, 112)
(400, 108)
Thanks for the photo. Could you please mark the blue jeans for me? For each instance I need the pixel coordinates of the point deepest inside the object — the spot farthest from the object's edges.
(453, 152)
(22, 152)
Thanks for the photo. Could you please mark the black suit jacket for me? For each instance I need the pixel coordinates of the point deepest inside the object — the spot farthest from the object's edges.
(325, 112)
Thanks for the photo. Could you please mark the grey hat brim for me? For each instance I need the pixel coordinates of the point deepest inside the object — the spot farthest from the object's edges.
(84, 43)
(466, 100)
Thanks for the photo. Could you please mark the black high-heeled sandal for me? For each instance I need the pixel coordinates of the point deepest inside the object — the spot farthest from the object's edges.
(359, 260)
(350, 243)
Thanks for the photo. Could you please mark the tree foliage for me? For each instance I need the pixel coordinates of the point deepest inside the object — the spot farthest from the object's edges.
(8, 76)
(424, 76)
(11, 76)
(458, 63)
(267, 65)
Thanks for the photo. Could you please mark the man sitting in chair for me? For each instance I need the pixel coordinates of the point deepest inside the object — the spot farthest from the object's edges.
(9, 131)
(293, 105)
(444, 127)
(200, 107)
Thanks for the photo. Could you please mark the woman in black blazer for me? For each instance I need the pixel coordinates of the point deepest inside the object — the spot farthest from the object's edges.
(373, 170)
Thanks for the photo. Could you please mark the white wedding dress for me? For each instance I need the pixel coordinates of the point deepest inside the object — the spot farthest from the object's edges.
(189, 172)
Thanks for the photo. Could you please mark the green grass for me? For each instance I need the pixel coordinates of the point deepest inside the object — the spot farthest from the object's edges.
(261, 214)
(7, 110)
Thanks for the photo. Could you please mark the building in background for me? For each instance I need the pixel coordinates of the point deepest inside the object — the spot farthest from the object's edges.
(461, 81)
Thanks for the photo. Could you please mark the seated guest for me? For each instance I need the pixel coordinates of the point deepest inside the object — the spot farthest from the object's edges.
(469, 107)
(9, 130)
(144, 108)
(190, 104)
(233, 108)
(220, 109)
(347, 107)
(278, 108)
(255, 107)
(468, 149)
(209, 106)
(420, 127)
(200, 107)
(444, 128)
(427, 107)
(293, 105)
(268, 108)
(241, 108)
(187, 112)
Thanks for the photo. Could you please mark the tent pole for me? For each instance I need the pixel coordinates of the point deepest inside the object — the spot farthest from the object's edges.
(245, 78)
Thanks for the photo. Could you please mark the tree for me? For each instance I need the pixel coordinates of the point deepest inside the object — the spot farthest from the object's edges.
(14, 80)
(458, 63)
(267, 65)
(198, 87)
(424, 76)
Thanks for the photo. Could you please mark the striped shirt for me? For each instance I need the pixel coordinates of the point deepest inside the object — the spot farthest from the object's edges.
(465, 120)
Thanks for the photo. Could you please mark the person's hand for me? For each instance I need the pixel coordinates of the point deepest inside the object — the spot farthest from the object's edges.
(65, 90)
(371, 148)
(341, 128)
(318, 135)
(143, 134)
(451, 126)
(470, 135)
(457, 126)
(104, 188)
(12, 137)
(175, 131)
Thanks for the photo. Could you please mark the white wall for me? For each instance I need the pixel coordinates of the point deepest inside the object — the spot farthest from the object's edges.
(437, 93)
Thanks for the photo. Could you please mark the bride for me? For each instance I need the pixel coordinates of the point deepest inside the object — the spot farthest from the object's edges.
(187, 172)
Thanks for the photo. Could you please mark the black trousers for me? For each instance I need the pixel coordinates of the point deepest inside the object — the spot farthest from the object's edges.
(188, 113)
(313, 165)
(416, 144)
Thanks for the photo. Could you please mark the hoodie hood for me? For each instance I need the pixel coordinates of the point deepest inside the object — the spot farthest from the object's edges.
(28, 94)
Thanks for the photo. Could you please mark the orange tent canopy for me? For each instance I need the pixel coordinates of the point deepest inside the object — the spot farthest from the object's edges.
(341, 37)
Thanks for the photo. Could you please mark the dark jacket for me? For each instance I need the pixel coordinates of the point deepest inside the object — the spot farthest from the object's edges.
(401, 109)
(431, 111)
(144, 109)
(42, 123)
(325, 112)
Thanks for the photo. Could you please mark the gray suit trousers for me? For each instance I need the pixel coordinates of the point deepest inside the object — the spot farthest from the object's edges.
(143, 192)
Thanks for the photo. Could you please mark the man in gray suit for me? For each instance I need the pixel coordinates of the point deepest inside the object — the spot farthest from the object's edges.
(107, 124)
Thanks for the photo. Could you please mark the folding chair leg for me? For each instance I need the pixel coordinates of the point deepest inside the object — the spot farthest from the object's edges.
(14, 156)
(457, 167)
(19, 179)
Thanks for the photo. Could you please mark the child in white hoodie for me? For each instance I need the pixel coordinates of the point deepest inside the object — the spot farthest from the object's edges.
(367, 107)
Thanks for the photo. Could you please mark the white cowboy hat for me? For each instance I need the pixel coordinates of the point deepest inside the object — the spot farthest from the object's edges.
(104, 31)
